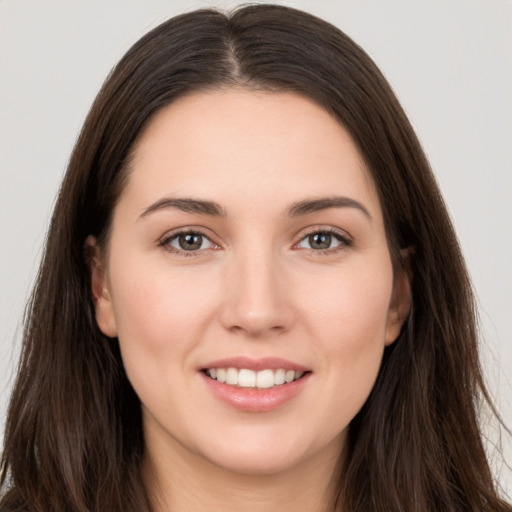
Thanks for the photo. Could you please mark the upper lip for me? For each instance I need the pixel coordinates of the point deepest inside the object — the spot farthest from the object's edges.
(249, 363)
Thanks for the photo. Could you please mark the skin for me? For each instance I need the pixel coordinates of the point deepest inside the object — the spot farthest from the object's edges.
(256, 287)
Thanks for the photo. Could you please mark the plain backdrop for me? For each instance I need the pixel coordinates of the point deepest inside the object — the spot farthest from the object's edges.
(449, 61)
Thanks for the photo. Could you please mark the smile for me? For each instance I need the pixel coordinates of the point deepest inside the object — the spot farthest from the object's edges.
(255, 384)
(245, 378)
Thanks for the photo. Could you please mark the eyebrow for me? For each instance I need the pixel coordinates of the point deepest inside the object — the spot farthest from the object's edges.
(210, 208)
(188, 205)
(324, 203)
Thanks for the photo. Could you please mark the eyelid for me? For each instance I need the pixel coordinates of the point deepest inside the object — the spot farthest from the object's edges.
(345, 239)
(165, 240)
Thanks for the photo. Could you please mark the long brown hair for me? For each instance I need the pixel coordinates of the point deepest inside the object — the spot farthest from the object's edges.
(74, 437)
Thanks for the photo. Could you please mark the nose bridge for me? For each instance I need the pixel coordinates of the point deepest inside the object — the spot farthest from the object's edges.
(257, 301)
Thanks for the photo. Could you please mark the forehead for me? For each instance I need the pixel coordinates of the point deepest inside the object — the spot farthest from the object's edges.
(241, 145)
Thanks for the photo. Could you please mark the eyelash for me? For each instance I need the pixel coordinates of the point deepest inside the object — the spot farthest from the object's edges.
(344, 241)
(342, 238)
(166, 242)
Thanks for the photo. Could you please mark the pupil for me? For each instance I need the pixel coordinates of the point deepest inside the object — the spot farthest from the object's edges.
(190, 241)
(320, 241)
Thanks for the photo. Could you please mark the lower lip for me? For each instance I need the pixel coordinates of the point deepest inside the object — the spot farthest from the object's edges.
(256, 400)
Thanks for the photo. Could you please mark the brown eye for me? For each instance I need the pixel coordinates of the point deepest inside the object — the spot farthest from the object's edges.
(324, 241)
(320, 241)
(188, 242)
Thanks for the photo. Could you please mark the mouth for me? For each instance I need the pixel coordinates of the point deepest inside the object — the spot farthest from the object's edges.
(267, 378)
(255, 384)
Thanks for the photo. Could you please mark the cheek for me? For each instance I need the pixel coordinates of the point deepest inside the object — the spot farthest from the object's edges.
(351, 306)
(154, 301)
(348, 323)
(160, 317)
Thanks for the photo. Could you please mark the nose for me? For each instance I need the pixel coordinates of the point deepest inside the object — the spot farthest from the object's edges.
(257, 301)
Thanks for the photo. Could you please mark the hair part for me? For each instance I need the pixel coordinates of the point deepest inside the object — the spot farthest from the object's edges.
(74, 439)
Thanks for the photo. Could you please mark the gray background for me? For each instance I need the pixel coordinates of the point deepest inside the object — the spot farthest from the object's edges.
(450, 62)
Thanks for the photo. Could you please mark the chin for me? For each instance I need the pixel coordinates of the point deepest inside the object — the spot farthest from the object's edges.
(261, 456)
(256, 464)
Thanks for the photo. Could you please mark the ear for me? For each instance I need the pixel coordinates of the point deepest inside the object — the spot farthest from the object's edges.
(401, 300)
(100, 289)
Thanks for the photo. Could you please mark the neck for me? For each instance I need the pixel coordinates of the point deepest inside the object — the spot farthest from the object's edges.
(180, 481)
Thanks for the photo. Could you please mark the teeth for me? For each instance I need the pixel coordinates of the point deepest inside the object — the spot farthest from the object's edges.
(221, 375)
(232, 377)
(265, 379)
(245, 378)
(280, 377)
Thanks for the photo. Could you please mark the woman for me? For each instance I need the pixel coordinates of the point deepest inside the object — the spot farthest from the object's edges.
(252, 297)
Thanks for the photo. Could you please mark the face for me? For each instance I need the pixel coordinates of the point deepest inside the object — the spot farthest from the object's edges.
(249, 281)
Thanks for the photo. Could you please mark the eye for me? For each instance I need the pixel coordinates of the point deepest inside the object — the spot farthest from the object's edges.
(187, 241)
(323, 241)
